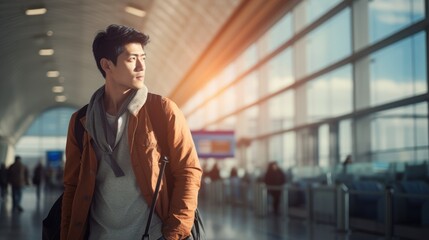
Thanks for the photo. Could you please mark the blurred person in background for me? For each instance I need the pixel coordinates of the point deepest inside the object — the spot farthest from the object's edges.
(17, 176)
(274, 178)
(38, 174)
(3, 181)
(235, 185)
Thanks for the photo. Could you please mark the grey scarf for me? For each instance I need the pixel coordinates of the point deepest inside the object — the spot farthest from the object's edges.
(100, 131)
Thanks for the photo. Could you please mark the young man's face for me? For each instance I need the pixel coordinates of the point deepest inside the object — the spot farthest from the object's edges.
(130, 68)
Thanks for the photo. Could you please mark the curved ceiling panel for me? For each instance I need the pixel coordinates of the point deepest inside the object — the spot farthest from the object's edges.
(179, 29)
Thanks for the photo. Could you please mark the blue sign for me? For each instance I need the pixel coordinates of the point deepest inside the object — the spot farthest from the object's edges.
(54, 159)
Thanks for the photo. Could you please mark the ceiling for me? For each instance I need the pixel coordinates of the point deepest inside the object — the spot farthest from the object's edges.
(180, 31)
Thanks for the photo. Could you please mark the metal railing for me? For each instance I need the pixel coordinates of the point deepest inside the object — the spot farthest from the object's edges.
(321, 202)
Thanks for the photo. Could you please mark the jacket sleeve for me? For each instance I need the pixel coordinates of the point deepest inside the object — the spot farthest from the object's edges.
(71, 176)
(186, 171)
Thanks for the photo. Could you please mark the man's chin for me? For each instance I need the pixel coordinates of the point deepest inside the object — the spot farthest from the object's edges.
(138, 85)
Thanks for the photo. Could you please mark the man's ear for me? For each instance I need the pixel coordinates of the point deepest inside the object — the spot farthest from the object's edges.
(106, 64)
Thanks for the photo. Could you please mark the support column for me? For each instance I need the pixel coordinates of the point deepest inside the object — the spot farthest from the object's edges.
(361, 127)
(7, 152)
(360, 24)
(334, 145)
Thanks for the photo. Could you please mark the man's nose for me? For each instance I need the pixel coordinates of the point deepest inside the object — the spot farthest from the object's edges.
(139, 65)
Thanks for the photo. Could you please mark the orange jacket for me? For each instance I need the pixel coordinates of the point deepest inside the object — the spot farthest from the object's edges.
(80, 173)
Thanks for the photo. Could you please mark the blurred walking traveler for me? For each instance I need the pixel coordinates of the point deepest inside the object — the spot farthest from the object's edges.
(49, 175)
(347, 162)
(17, 176)
(235, 185)
(3, 181)
(38, 174)
(214, 173)
(274, 177)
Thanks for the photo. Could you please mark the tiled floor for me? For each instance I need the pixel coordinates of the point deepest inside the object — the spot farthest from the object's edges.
(223, 222)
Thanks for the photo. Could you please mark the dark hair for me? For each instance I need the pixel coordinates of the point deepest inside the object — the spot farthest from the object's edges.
(110, 43)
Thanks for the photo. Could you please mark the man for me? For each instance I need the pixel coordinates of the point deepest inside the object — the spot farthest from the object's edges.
(17, 175)
(108, 189)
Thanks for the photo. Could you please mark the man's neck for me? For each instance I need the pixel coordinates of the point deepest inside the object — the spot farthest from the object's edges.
(113, 99)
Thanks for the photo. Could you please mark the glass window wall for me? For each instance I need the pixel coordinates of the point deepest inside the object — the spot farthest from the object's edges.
(275, 150)
(229, 123)
(330, 95)
(211, 110)
(316, 8)
(282, 149)
(389, 16)
(47, 132)
(289, 149)
(345, 139)
(309, 11)
(281, 110)
(197, 99)
(278, 34)
(324, 45)
(396, 134)
(399, 70)
(248, 89)
(280, 71)
(249, 122)
(323, 148)
(247, 59)
(228, 101)
(228, 75)
(393, 73)
(196, 120)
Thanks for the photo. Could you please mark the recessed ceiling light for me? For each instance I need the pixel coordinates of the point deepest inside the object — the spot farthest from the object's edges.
(35, 11)
(46, 52)
(52, 74)
(49, 33)
(57, 89)
(60, 98)
(135, 11)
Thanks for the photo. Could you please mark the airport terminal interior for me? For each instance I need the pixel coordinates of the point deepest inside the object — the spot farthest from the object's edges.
(331, 94)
